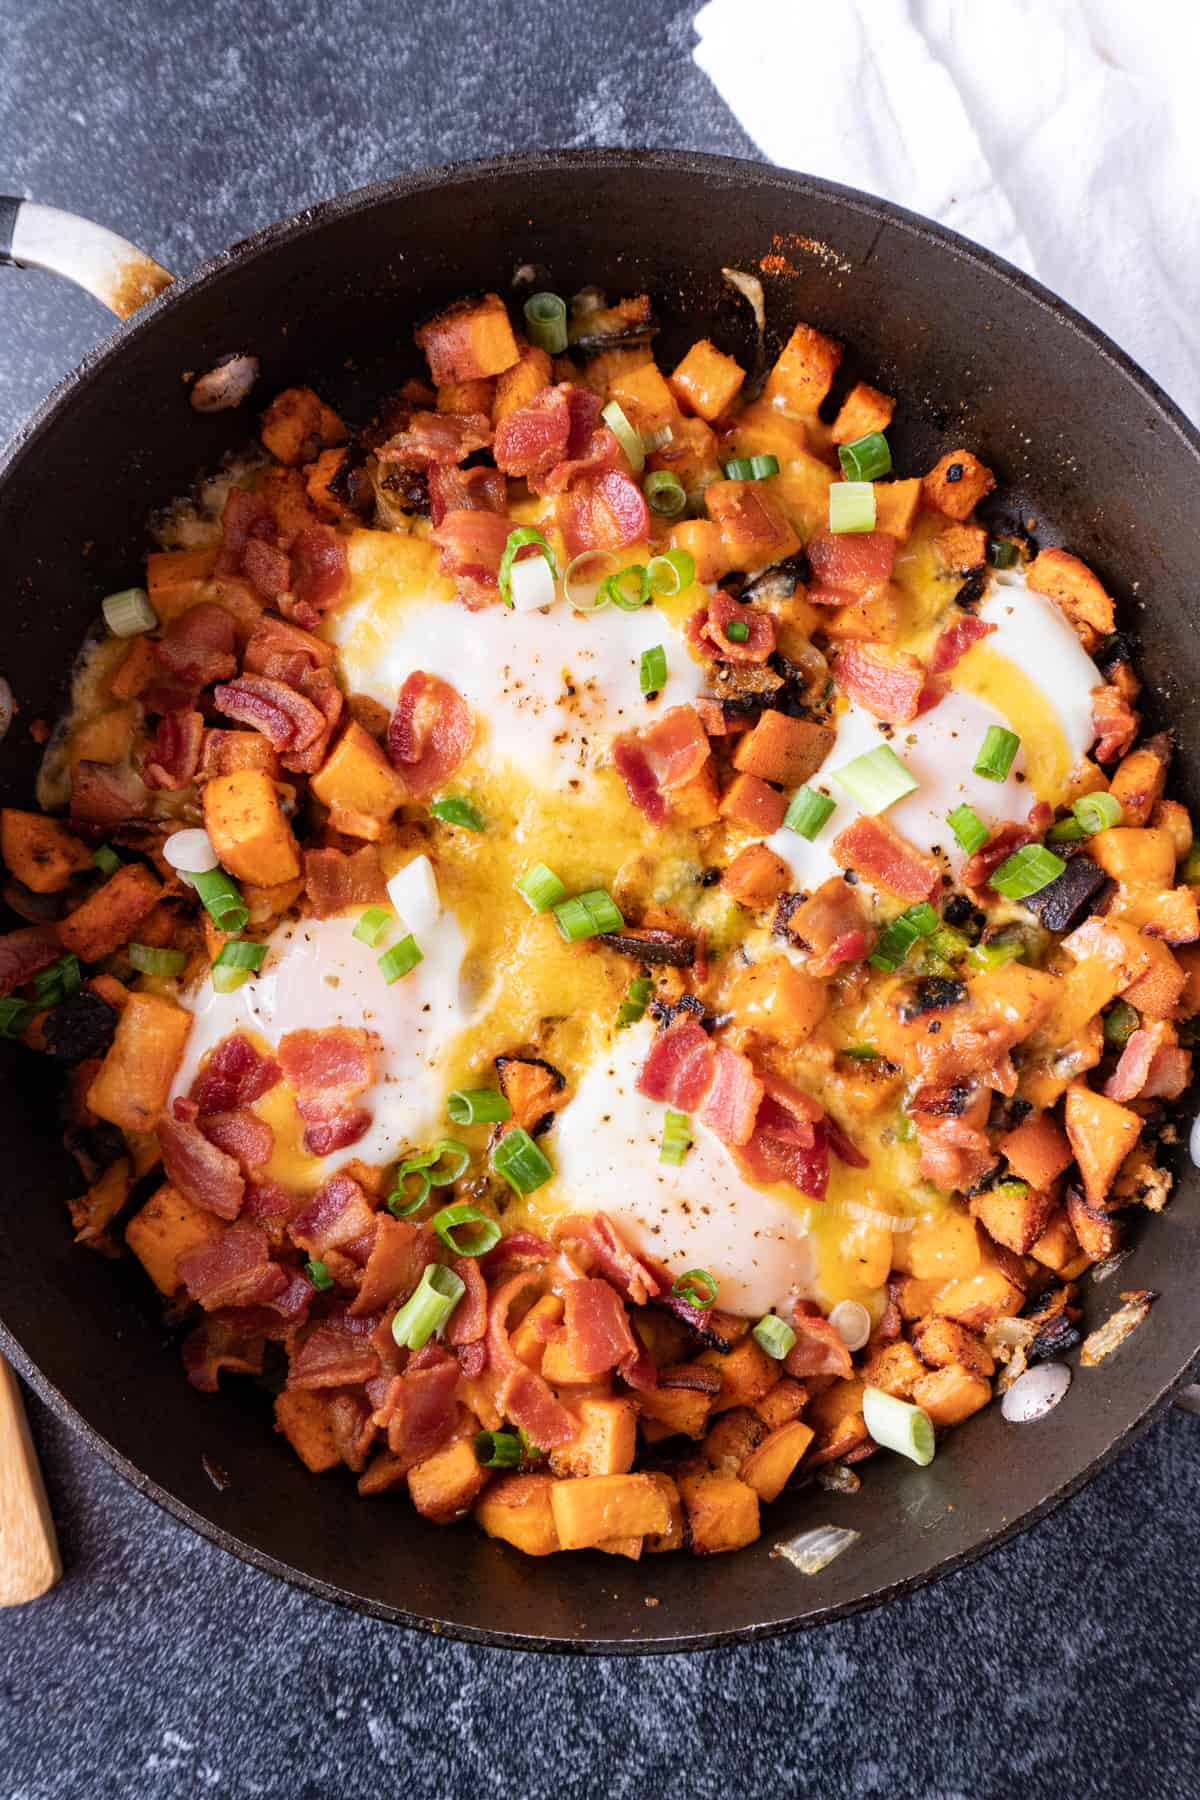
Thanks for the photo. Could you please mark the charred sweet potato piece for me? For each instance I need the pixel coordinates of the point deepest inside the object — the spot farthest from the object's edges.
(1140, 778)
(1072, 584)
(863, 410)
(732, 1438)
(896, 506)
(893, 1367)
(297, 425)
(1037, 1150)
(785, 1401)
(784, 750)
(517, 385)
(469, 341)
(940, 1342)
(446, 1485)
(746, 1372)
(1101, 1134)
(756, 877)
(166, 1228)
(533, 1088)
(682, 1401)
(961, 547)
(1099, 1234)
(770, 1466)
(1058, 1247)
(131, 1087)
(225, 752)
(722, 1511)
(41, 852)
(517, 1508)
(952, 1394)
(674, 1536)
(957, 484)
(305, 1419)
(593, 1508)
(109, 917)
(250, 834)
(1013, 1214)
(805, 370)
(605, 1443)
(706, 381)
(751, 804)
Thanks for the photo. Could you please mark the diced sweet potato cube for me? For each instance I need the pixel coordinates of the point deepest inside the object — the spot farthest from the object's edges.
(873, 621)
(359, 785)
(896, 506)
(305, 1419)
(131, 1087)
(139, 667)
(942, 1248)
(297, 425)
(957, 484)
(753, 805)
(961, 547)
(446, 1485)
(1101, 1133)
(703, 542)
(746, 1372)
(1013, 1215)
(644, 397)
(782, 1403)
(605, 1443)
(1173, 915)
(893, 1367)
(732, 1437)
(518, 385)
(1135, 856)
(109, 917)
(539, 1325)
(722, 1511)
(559, 1366)
(940, 1342)
(914, 1297)
(805, 370)
(467, 396)
(673, 1537)
(756, 877)
(975, 1300)
(707, 381)
(1173, 816)
(517, 1508)
(1187, 961)
(469, 341)
(1081, 594)
(166, 1228)
(666, 1338)
(1139, 780)
(1099, 1234)
(951, 1394)
(779, 1000)
(696, 802)
(40, 852)
(682, 1401)
(249, 832)
(770, 1467)
(1037, 1150)
(595, 1507)
(175, 575)
(863, 410)
(754, 530)
(225, 752)
(782, 749)
(1058, 1247)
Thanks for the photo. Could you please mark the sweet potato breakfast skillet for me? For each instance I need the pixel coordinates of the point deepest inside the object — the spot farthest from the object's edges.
(1087, 454)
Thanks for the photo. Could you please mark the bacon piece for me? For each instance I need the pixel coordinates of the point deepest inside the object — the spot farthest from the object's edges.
(329, 1126)
(430, 733)
(196, 649)
(322, 691)
(680, 1066)
(337, 1214)
(500, 1351)
(520, 1248)
(247, 518)
(633, 766)
(284, 651)
(849, 564)
(978, 869)
(242, 1135)
(891, 690)
(818, 1349)
(723, 609)
(1152, 1066)
(598, 1333)
(888, 861)
(1114, 721)
(532, 440)
(789, 1141)
(271, 1206)
(232, 1269)
(472, 542)
(660, 757)
(335, 881)
(597, 455)
(465, 490)
(438, 438)
(319, 574)
(956, 640)
(845, 1151)
(25, 953)
(286, 718)
(338, 1353)
(399, 1252)
(829, 926)
(337, 1059)
(268, 568)
(955, 1152)
(731, 1105)
(235, 1075)
(420, 1411)
(527, 1401)
(216, 1344)
(638, 1278)
(200, 1170)
(174, 757)
(603, 512)
(468, 1321)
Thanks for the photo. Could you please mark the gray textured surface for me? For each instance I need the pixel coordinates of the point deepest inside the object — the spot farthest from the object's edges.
(1066, 1663)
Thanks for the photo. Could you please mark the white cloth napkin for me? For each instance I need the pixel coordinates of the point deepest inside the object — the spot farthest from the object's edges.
(1062, 134)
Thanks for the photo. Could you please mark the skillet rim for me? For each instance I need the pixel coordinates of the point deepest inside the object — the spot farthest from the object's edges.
(941, 240)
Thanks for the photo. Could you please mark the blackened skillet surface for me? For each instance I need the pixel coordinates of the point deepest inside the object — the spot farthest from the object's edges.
(977, 355)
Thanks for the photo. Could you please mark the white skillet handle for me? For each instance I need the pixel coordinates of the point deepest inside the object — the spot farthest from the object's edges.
(115, 271)
(29, 1560)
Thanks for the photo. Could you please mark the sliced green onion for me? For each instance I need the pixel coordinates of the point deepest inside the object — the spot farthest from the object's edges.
(1190, 872)
(996, 753)
(1097, 812)
(867, 458)
(671, 572)
(372, 925)
(665, 493)
(1027, 871)
(946, 946)
(619, 592)
(895, 1425)
(737, 631)
(402, 1202)
(129, 613)
(478, 1106)
(877, 779)
(860, 1052)
(763, 467)
(521, 1163)
(546, 322)
(970, 832)
(106, 860)
(995, 955)
(702, 1296)
(518, 540)
(851, 506)
(585, 581)
(222, 900)
(427, 1310)
(633, 1006)
(917, 922)
(484, 1236)
(319, 1275)
(497, 1449)
(446, 1162)
(540, 888)
(457, 811)
(1066, 831)
(533, 1452)
(738, 468)
(241, 953)
(807, 812)
(227, 981)
(61, 979)
(774, 1335)
(587, 915)
(1120, 1023)
(148, 960)
(401, 959)
(1001, 553)
(14, 1016)
(676, 1138)
(652, 670)
(629, 439)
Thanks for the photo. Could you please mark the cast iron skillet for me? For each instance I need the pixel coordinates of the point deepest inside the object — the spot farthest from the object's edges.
(979, 356)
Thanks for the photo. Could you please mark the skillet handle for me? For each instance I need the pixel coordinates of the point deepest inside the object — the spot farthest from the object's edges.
(115, 271)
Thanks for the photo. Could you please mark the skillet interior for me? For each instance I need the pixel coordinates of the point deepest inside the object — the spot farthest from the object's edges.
(978, 356)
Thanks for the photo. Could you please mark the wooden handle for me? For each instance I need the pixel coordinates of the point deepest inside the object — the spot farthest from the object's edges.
(29, 1559)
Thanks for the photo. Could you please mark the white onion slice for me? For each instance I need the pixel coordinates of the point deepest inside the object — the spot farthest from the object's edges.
(1035, 1393)
(225, 385)
(7, 706)
(814, 1550)
(852, 1322)
(531, 584)
(191, 852)
(414, 894)
(873, 1215)
(1194, 1141)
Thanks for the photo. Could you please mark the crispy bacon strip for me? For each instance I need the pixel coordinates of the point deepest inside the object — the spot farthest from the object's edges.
(978, 869)
(420, 1411)
(232, 1269)
(603, 512)
(847, 565)
(338, 1353)
(599, 1337)
(956, 640)
(731, 1105)
(284, 651)
(335, 881)
(660, 757)
(216, 1344)
(322, 691)
(472, 542)
(200, 1170)
(789, 1141)
(174, 757)
(724, 610)
(1152, 1066)
(465, 490)
(399, 1253)
(285, 717)
(438, 438)
(818, 1349)
(430, 733)
(197, 648)
(891, 689)
(25, 953)
(888, 861)
(235, 1075)
(1114, 721)
(468, 1321)
(247, 518)
(337, 1214)
(532, 440)
(242, 1135)
(680, 1066)
(328, 1070)
(319, 574)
